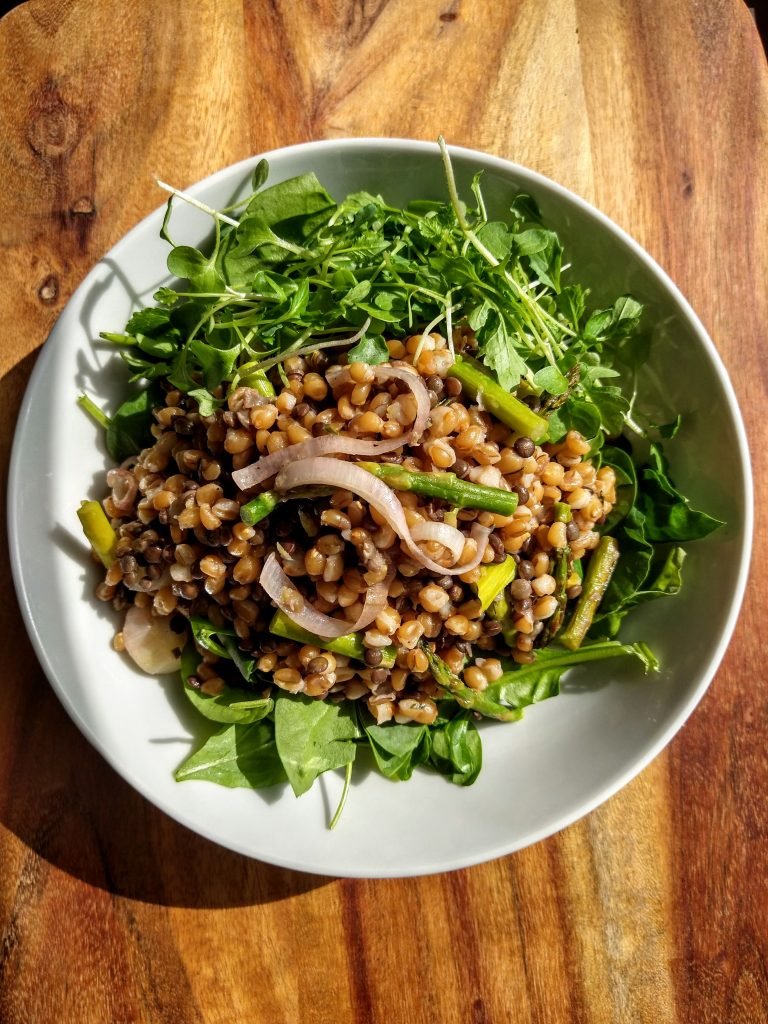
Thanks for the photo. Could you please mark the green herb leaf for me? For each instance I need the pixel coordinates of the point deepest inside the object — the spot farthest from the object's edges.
(231, 706)
(128, 431)
(313, 736)
(372, 350)
(456, 750)
(397, 749)
(668, 514)
(237, 756)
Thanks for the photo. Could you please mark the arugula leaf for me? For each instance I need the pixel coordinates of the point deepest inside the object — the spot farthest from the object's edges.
(371, 350)
(185, 261)
(243, 756)
(148, 321)
(312, 736)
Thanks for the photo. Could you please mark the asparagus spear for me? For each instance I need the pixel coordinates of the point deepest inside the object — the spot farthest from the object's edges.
(562, 514)
(98, 529)
(495, 399)
(465, 696)
(259, 380)
(351, 645)
(599, 573)
(493, 580)
(260, 507)
(446, 486)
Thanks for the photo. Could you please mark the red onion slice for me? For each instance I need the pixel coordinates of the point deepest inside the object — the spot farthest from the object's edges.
(451, 538)
(124, 490)
(346, 476)
(288, 599)
(341, 444)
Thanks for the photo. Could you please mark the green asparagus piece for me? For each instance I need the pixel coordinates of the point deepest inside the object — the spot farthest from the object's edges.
(465, 696)
(351, 645)
(259, 381)
(493, 580)
(504, 406)
(98, 529)
(599, 573)
(498, 609)
(260, 507)
(563, 512)
(96, 414)
(446, 486)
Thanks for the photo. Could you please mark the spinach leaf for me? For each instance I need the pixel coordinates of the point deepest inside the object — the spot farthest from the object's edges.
(397, 749)
(205, 634)
(287, 200)
(668, 514)
(529, 684)
(237, 756)
(312, 736)
(231, 706)
(456, 750)
(129, 428)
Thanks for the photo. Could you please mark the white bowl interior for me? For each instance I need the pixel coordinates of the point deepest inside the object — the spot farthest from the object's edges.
(568, 754)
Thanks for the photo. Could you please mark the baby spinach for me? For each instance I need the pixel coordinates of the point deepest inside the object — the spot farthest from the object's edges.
(312, 737)
(233, 706)
(237, 756)
(128, 428)
(456, 750)
(668, 514)
(397, 749)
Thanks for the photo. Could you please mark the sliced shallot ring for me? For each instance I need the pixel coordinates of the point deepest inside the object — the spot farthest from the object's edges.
(151, 642)
(124, 490)
(341, 444)
(288, 599)
(449, 536)
(347, 476)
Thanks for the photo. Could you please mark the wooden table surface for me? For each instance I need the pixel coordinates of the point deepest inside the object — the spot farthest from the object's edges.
(654, 907)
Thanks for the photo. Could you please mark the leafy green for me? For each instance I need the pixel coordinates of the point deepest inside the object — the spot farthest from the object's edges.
(312, 736)
(128, 429)
(530, 684)
(298, 267)
(237, 756)
(456, 750)
(232, 706)
(668, 514)
(397, 749)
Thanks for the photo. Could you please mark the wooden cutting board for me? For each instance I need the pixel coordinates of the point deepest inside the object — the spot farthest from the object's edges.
(654, 907)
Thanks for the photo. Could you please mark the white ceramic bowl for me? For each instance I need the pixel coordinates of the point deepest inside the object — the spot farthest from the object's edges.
(568, 754)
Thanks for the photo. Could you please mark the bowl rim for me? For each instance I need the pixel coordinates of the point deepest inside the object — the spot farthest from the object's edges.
(507, 168)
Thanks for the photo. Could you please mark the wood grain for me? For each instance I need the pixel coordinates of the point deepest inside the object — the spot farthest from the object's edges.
(654, 907)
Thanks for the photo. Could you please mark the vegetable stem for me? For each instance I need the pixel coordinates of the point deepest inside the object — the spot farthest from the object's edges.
(351, 645)
(599, 573)
(504, 406)
(493, 579)
(98, 530)
(343, 799)
(445, 486)
(465, 696)
(96, 414)
(260, 507)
